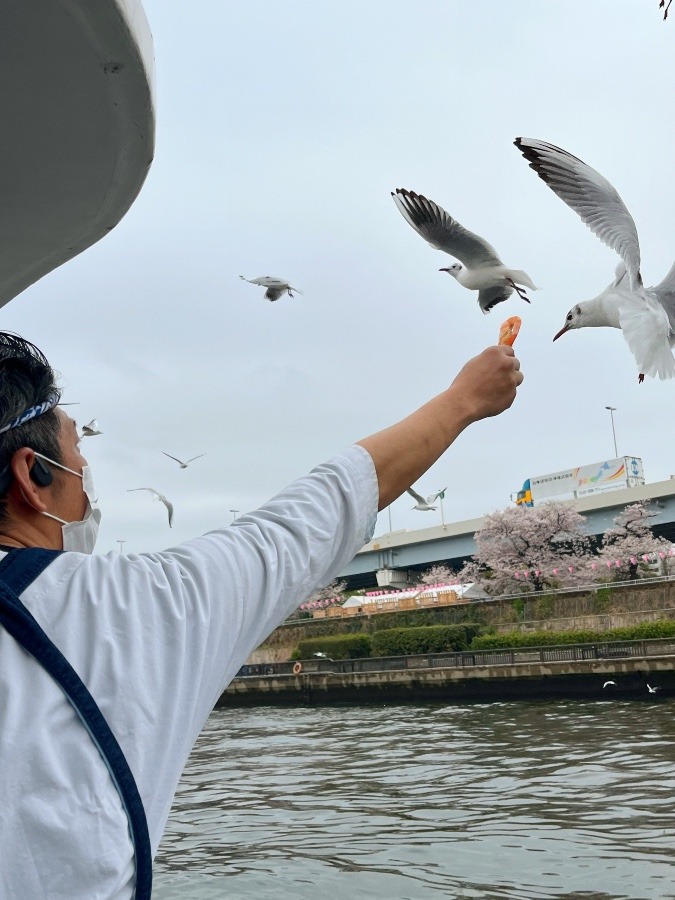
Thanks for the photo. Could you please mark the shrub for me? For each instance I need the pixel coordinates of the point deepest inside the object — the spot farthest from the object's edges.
(514, 639)
(338, 646)
(423, 639)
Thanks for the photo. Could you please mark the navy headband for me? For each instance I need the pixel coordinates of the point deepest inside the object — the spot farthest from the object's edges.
(33, 412)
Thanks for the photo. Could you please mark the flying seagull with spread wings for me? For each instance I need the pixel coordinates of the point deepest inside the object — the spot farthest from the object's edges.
(276, 287)
(91, 429)
(481, 270)
(646, 316)
(160, 497)
(425, 504)
(180, 462)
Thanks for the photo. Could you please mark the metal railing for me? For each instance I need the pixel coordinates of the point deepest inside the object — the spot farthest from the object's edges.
(600, 650)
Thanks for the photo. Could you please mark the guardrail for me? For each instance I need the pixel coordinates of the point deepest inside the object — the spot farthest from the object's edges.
(601, 650)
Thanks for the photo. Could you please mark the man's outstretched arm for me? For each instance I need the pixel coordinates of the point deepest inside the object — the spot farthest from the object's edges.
(486, 386)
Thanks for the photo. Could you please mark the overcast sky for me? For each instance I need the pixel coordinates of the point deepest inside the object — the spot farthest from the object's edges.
(282, 128)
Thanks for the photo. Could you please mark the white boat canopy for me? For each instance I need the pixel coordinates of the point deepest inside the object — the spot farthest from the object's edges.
(77, 128)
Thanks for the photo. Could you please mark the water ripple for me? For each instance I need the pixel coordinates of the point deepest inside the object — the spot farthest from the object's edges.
(501, 800)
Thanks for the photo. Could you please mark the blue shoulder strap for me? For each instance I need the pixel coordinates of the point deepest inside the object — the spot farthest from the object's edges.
(17, 570)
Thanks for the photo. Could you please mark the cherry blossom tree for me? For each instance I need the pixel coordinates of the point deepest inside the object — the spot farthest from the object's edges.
(628, 542)
(529, 549)
(437, 574)
(334, 589)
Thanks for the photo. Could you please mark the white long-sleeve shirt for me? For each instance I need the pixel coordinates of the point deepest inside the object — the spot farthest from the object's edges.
(155, 638)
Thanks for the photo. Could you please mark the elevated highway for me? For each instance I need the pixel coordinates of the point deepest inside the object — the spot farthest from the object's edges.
(394, 554)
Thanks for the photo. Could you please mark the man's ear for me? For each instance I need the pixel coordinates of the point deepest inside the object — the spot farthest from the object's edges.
(31, 476)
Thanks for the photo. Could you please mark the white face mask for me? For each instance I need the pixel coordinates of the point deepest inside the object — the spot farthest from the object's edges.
(79, 536)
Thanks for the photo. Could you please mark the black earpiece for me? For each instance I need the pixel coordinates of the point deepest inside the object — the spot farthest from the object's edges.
(40, 474)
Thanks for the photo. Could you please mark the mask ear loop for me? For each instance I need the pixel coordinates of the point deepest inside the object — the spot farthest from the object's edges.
(41, 512)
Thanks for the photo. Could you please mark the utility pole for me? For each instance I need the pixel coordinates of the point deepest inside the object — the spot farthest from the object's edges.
(612, 410)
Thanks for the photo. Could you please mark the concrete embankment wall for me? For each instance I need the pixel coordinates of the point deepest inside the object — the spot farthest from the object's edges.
(584, 610)
(578, 679)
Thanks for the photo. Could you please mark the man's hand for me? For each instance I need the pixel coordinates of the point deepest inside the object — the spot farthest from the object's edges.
(486, 386)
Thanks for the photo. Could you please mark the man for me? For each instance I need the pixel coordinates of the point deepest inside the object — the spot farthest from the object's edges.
(155, 638)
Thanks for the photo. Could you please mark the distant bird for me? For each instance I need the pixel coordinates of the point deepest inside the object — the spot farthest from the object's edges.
(607, 683)
(91, 429)
(646, 316)
(180, 462)
(653, 690)
(483, 270)
(161, 497)
(425, 504)
(276, 287)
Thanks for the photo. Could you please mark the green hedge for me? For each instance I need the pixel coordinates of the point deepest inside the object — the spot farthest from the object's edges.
(337, 646)
(505, 641)
(423, 639)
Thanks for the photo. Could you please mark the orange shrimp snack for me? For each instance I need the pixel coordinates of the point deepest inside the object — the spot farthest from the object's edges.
(509, 331)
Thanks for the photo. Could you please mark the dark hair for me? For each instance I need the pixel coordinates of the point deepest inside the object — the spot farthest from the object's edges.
(26, 379)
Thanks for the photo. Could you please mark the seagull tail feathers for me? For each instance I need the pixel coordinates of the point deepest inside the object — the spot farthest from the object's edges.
(521, 277)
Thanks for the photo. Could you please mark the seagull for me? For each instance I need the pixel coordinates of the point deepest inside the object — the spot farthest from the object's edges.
(167, 503)
(276, 287)
(607, 683)
(652, 690)
(483, 270)
(91, 429)
(425, 504)
(180, 462)
(646, 316)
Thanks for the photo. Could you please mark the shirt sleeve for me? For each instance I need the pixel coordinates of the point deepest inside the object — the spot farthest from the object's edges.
(157, 637)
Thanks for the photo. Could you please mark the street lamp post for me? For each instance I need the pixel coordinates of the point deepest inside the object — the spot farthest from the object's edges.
(121, 543)
(389, 511)
(235, 513)
(612, 410)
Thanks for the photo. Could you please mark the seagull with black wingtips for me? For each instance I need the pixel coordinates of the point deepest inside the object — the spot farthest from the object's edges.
(646, 316)
(480, 268)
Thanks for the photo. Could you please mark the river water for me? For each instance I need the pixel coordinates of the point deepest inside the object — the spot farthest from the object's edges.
(519, 800)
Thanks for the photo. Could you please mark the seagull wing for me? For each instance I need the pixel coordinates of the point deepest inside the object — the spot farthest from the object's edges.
(174, 458)
(194, 458)
(416, 496)
(273, 293)
(646, 327)
(152, 491)
(432, 498)
(443, 232)
(590, 195)
(489, 297)
(267, 281)
(664, 292)
(169, 508)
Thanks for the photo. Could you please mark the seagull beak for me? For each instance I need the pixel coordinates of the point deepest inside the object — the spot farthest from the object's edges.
(561, 332)
(444, 270)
